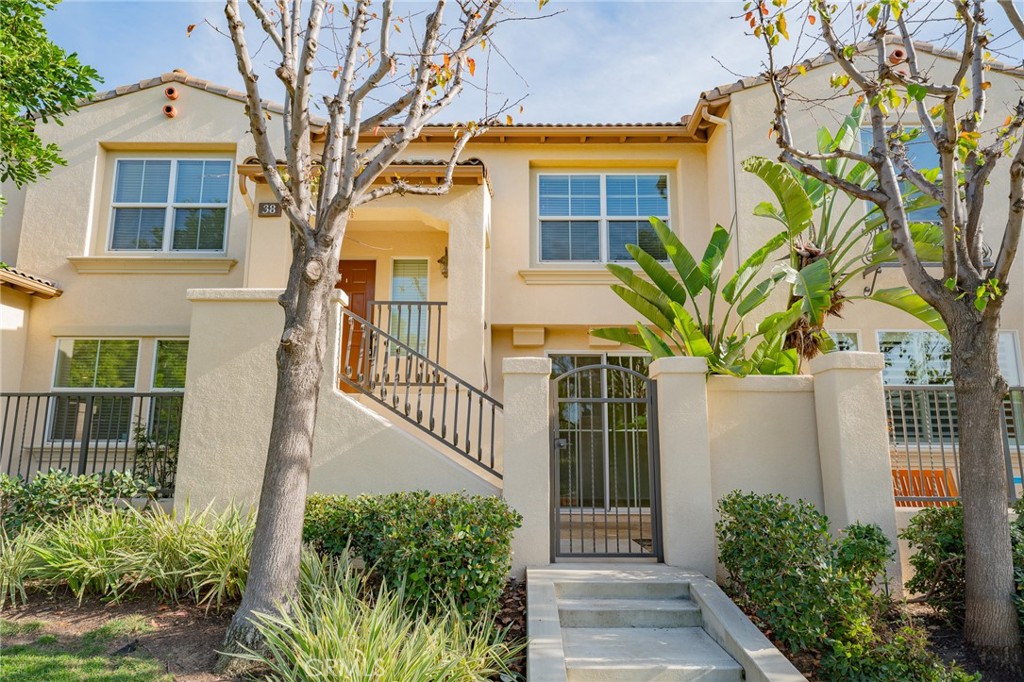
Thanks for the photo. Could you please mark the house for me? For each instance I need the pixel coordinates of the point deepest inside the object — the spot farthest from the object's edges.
(152, 261)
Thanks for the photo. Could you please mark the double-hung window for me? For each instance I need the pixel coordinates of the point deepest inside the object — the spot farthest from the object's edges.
(408, 317)
(105, 368)
(170, 205)
(591, 217)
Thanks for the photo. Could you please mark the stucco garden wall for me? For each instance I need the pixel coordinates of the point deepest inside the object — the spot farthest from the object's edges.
(229, 403)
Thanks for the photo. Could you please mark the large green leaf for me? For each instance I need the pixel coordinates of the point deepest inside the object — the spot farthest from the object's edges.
(694, 340)
(793, 199)
(769, 357)
(757, 295)
(619, 334)
(906, 300)
(750, 267)
(681, 258)
(655, 345)
(781, 321)
(661, 277)
(927, 238)
(644, 307)
(714, 254)
(641, 286)
(813, 286)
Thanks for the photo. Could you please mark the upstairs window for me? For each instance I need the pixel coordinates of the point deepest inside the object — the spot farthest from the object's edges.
(923, 157)
(591, 217)
(170, 205)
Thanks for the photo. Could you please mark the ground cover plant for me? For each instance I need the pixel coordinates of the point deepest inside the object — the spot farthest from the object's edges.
(820, 598)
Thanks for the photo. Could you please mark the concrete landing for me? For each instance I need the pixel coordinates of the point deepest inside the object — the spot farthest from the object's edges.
(633, 623)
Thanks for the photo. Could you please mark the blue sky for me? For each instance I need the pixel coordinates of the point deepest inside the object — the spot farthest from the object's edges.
(594, 61)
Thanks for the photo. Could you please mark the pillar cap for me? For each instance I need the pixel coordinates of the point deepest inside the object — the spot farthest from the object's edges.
(846, 360)
(541, 366)
(679, 364)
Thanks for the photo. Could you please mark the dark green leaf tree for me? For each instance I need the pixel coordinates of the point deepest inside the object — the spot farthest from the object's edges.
(39, 81)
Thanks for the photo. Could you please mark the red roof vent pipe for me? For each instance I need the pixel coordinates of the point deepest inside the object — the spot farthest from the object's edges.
(171, 93)
(170, 111)
(897, 56)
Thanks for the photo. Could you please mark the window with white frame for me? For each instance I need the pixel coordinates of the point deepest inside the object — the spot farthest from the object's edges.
(169, 362)
(846, 340)
(591, 217)
(170, 205)
(101, 366)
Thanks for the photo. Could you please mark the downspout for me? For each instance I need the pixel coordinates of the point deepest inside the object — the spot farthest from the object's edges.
(731, 151)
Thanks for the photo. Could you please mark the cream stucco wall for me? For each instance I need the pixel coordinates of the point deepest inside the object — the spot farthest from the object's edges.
(229, 404)
(14, 316)
(138, 294)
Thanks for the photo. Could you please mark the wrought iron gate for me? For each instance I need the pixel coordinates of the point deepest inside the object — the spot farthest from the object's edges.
(605, 496)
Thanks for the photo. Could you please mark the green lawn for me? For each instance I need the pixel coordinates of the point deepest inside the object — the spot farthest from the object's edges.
(81, 659)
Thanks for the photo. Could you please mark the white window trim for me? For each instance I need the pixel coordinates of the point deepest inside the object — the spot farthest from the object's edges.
(391, 277)
(68, 389)
(169, 206)
(854, 332)
(602, 220)
(52, 409)
(152, 372)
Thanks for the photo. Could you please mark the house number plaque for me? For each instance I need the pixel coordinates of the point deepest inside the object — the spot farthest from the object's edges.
(269, 209)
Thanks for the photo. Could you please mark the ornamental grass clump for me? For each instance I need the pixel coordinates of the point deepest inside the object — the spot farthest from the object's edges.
(342, 630)
(18, 561)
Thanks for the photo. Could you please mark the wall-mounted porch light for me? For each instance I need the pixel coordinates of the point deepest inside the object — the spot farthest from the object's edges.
(443, 262)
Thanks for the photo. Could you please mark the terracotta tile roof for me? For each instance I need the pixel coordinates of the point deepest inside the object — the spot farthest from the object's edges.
(922, 47)
(29, 283)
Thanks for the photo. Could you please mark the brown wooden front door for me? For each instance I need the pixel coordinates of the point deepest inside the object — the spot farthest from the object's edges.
(357, 279)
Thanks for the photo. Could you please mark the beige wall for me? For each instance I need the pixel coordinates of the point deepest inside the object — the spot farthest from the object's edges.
(229, 404)
(138, 295)
(14, 316)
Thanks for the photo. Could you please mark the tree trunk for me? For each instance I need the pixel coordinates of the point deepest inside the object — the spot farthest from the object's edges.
(991, 618)
(277, 543)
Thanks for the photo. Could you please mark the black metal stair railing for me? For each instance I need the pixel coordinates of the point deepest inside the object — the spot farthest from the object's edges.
(420, 391)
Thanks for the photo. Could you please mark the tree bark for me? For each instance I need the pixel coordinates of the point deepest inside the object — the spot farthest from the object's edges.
(277, 544)
(991, 619)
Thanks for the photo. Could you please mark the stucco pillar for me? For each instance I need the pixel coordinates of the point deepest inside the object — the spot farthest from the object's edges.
(527, 475)
(687, 502)
(467, 283)
(855, 473)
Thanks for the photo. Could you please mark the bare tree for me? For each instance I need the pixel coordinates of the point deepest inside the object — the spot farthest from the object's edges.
(949, 111)
(376, 85)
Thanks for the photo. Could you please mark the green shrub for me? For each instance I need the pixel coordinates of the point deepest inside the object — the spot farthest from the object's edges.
(778, 556)
(440, 548)
(936, 538)
(57, 493)
(903, 655)
(219, 560)
(335, 634)
(817, 594)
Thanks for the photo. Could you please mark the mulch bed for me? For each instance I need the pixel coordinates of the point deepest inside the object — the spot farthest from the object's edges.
(947, 642)
(185, 638)
(512, 618)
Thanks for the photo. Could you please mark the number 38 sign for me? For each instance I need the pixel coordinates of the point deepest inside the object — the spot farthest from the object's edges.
(269, 209)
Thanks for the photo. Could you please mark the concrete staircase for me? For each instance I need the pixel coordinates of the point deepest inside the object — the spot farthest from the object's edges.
(603, 623)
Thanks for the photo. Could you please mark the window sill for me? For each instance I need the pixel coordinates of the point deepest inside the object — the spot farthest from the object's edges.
(595, 275)
(152, 265)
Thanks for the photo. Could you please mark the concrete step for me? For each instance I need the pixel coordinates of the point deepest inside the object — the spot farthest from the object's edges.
(685, 654)
(628, 613)
(622, 589)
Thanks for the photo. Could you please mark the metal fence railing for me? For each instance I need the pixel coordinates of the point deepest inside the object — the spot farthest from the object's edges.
(94, 432)
(923, 444)
(416, 324)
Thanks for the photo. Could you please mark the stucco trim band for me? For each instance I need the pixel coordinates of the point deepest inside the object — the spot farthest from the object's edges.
(120, 331)
(151, 265)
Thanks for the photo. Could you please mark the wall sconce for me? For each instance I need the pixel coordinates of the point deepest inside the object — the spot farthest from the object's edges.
(443, 262)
